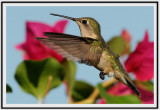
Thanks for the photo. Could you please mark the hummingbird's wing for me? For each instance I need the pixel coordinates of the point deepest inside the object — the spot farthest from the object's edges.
(83, 50)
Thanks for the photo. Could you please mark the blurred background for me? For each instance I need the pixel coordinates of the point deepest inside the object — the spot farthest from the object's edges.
(112, 19)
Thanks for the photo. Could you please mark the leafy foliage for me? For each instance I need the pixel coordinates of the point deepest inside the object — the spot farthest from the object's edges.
(8, 89)
(70, 71)
(148, 85)
(33, 76)
(110, 99)
(81, 90)
(117, 44)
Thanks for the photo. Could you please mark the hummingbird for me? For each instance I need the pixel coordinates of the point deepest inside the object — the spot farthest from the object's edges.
(89, 49)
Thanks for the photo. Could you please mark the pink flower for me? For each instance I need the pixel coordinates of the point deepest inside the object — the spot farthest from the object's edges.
(34, 49)
(147, 97)
(119, 89)
(127, 37)
(141, 61)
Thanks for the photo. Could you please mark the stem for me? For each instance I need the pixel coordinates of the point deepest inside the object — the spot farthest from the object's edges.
(92, 98)
(39, 101)
(69, 92)
(70, 101)
(48, 87)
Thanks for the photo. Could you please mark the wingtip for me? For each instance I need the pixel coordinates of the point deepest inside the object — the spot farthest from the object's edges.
(41, 38)
(46, 33)
(138, 93)
(38, 38)
(50, 33)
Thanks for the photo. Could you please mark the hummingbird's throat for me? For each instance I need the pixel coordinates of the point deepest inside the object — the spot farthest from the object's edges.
(87, 31)
(89, 34)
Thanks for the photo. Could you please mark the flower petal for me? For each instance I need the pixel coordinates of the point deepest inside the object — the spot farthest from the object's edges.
(147, 97)
(34, 49)
(60, 26)
(37, 28)
(141, 61)
(125, 34)
(120, 90)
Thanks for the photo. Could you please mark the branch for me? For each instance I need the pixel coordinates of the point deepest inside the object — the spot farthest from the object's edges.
(48, 87)
(92, 98)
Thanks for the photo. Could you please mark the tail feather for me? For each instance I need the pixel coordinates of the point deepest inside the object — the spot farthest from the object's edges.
(133, 87)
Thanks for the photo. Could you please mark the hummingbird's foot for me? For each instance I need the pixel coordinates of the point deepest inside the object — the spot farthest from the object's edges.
(101, 75)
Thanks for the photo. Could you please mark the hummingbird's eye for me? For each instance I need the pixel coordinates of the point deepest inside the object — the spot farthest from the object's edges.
(84, 21)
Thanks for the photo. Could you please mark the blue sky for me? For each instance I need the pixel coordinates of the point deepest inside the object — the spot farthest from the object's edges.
(136, 19)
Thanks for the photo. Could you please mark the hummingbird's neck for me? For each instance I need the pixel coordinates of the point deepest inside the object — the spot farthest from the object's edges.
(89, 35)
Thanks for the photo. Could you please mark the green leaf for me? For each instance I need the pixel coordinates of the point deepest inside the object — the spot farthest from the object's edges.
(70, 71)
(148, 85)
(117, 44)
(34, 76)
(8, 89)
(81, 90)
(110, 99)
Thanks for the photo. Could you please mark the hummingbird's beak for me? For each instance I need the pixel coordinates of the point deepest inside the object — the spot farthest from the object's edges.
(63, 16)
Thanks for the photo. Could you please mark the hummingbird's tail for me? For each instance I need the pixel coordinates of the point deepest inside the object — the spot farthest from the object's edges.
(133, 87)
(125, 79)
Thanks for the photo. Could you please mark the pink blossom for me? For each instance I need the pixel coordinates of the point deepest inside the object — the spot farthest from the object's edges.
(141, 61)
(34, 49)
(147, 97)
(119, 89)
(127, 37)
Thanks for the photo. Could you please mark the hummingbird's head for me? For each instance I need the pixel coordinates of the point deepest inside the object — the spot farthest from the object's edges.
(89, 27)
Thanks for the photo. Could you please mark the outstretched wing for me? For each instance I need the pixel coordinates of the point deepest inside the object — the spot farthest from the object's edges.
(83, 50)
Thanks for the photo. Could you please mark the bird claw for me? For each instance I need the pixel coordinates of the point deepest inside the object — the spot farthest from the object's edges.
(101, 75)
